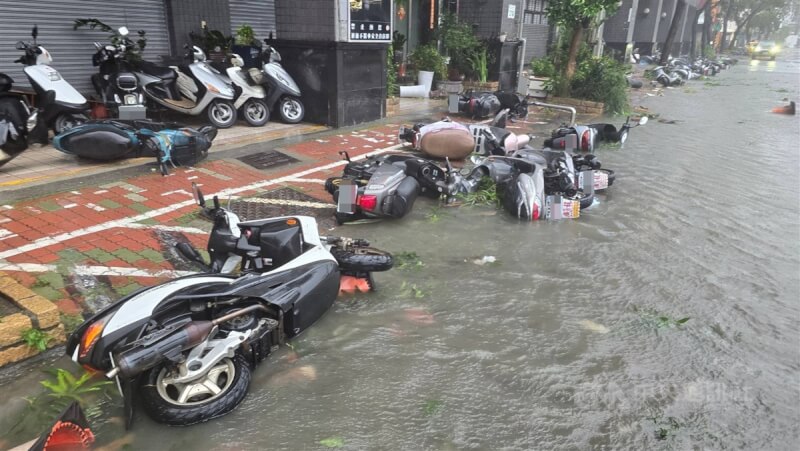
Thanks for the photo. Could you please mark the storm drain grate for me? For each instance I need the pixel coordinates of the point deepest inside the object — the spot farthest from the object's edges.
(267, 159)
(285, 202)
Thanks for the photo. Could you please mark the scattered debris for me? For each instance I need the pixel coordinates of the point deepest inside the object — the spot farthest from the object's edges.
(789, 109)
(593, 326)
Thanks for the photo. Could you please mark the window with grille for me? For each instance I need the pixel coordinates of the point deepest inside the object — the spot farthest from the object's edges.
(535, 12)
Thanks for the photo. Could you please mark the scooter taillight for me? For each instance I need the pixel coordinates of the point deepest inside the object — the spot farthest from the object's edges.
(368, 202)
(586, 139)
(535, 212)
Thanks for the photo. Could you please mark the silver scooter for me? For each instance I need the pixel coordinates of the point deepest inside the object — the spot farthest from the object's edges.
(194, 89)
(251, 102)
(283, 94)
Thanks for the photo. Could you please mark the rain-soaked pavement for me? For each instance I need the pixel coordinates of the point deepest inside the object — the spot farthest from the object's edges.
(577, 336)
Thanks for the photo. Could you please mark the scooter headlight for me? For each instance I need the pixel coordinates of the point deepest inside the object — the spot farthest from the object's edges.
(90, 337)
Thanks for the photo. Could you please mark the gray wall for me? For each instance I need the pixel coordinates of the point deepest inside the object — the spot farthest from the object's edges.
(485, 13)
(615, 28)
(186, 15)
(311, 20)
(645, 24)
(259, 14)
(511, 26)
(72, 50)
(536, 39)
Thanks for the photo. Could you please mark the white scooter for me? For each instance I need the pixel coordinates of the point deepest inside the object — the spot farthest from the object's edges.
(66, 107)
(191, 89)
(251, 102)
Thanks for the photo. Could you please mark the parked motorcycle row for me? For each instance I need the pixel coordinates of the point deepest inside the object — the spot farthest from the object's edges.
(679, 70)
(129, 88)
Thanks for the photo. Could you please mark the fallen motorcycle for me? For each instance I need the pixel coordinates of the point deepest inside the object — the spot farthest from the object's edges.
(186, 348)
(590, 135)
(106, 140)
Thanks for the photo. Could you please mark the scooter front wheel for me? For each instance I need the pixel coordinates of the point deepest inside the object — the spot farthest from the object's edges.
(222, 113)
(291, 109)
(367, 260)
(216, 393)
(255, 112)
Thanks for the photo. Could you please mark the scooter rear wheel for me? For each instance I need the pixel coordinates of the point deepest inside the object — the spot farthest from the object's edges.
(164, 403)
(66, 121)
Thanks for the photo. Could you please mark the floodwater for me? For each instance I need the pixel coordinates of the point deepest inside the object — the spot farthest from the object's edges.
(576, 337)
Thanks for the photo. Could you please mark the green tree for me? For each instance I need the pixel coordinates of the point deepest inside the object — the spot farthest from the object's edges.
(744, 11)
(575, 16)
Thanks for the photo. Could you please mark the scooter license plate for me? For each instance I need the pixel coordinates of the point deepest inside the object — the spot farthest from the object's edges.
(558, 207)
(600, 180)
(348, 191)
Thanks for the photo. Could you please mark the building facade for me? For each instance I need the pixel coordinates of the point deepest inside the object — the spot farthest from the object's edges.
(342, 74)
(645, 24)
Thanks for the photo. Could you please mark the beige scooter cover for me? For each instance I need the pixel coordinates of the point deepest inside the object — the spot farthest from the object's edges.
(446, 139)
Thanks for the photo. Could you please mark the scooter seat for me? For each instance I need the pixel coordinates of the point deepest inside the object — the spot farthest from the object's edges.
(162, 72)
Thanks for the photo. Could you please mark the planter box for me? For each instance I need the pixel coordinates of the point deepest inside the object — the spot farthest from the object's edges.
(450, 87)
(536, 87)
(489, 86)
(581, 106)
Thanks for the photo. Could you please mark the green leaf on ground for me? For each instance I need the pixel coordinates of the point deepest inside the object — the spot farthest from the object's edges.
(332, 442)
(432, 406)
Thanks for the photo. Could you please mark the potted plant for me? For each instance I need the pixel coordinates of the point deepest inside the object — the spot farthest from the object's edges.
(213, 42)
(246, 45)
(543, 70)
(398, 45)
(428, 62)
(480, 68)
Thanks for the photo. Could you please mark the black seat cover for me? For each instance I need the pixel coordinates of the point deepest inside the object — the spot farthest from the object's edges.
(162, 72)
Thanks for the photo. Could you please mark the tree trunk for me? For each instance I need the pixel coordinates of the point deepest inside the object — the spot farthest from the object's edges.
(673, 29)
(572, 56)
(724, 29)
(693, 48)
(706, 28)
(735, 35)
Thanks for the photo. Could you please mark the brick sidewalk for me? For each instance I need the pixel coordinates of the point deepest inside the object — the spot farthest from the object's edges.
(82, 249)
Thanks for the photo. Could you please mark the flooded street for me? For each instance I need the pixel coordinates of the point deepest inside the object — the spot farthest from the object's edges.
(666, 317)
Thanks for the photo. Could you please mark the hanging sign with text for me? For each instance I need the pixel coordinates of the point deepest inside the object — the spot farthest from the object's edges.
(370, 21)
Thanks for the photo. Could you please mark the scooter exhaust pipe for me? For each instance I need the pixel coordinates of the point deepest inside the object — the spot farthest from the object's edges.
(150, 350)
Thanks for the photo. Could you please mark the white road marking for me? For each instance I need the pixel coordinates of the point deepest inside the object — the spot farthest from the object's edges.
(48, 241)
(317, 181)
(165, 228)
(100, 270)
(296, 203)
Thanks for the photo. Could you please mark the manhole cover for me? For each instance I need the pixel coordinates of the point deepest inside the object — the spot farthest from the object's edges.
(285, 202)
(7, 307)
(267, 159)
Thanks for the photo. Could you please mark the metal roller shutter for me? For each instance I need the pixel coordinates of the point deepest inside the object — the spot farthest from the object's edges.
(72, 50)
(259, 14)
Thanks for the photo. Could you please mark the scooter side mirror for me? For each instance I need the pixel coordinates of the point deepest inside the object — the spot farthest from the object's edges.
(35, 32)
(123, 31)
(20, 45)
(98, 45)
(198, 195)
(643, 120)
